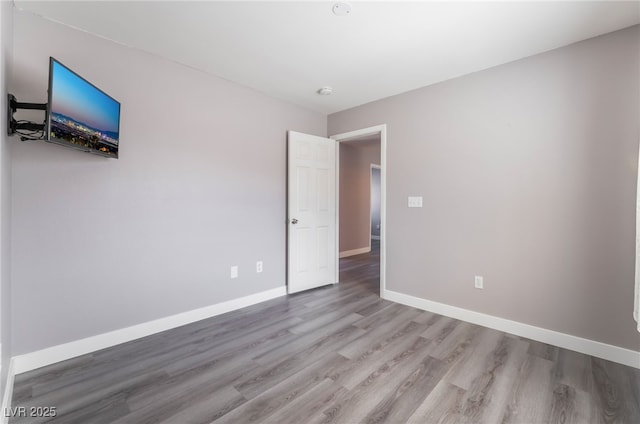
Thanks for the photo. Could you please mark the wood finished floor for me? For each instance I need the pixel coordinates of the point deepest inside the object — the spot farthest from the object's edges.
(337, 354)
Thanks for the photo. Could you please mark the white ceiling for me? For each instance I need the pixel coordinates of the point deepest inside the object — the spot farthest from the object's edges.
(290, 49)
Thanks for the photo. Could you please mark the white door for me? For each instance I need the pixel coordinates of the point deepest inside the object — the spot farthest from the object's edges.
(311, 210)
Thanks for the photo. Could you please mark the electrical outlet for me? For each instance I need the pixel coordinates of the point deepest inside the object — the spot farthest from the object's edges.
(234, 271)
(479, 282)
(259, 266)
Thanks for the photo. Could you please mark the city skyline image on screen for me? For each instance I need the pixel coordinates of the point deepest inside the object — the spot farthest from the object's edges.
(80, 114)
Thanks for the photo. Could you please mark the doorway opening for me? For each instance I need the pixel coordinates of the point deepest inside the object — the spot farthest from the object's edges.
(361, 207)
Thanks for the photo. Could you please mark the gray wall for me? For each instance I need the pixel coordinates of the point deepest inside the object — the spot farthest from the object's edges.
(102, 244)
(6, 46)
(355, 161)
(528, 172)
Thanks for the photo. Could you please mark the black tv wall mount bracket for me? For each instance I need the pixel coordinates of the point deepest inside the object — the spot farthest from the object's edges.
(13, 106)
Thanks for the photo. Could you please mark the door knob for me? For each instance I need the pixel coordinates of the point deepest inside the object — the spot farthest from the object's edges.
(294, 221)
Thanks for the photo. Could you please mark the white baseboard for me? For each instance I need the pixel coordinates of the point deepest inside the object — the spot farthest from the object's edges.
(8, 393)
(354, 252)
(51, 355)
(567, 341)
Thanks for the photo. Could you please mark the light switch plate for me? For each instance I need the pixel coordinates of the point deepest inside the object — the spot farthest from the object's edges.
(415, 201)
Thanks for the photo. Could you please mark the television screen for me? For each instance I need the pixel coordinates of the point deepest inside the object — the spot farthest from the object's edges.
(79, 114)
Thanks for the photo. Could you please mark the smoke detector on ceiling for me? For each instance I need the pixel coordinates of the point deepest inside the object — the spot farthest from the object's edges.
(342, 8)
(325, 91)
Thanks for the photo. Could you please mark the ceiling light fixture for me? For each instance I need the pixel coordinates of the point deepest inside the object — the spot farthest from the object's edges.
(342, 8)
(325, 91)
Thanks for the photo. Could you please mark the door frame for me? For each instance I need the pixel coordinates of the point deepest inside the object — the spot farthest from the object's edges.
(373, 166)
(374, 130)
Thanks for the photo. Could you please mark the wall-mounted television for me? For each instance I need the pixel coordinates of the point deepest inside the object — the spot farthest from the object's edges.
(79, 114)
